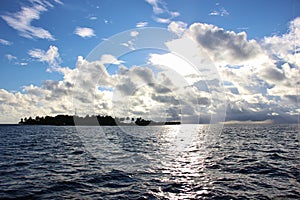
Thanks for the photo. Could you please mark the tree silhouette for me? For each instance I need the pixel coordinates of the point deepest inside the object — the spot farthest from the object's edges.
(68, 120)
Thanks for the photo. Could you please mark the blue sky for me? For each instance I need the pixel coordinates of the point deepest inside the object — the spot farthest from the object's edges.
(73, 28)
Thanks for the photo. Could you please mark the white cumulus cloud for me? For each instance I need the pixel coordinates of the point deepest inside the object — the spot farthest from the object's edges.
(84, 32)
(259, 81)
(177, 27)
(51, 56)
(261, 76)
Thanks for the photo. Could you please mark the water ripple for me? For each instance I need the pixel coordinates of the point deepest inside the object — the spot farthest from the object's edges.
(245, 162)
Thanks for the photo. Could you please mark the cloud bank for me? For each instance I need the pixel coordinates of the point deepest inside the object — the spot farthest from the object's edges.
(260, 80)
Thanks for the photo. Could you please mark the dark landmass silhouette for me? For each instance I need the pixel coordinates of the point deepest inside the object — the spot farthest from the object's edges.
(94, 120)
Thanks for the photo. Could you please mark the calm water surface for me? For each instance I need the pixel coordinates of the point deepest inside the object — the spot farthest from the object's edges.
(164, 162)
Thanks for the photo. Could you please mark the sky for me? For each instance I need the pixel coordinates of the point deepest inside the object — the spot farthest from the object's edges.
(204, 61)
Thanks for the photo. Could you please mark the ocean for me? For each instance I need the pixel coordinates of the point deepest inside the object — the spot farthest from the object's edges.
(150, 162)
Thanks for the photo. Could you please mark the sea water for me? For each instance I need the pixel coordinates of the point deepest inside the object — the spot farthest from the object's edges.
(153, 162)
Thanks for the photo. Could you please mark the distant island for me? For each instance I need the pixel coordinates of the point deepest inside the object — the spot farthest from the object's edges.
(94, 120)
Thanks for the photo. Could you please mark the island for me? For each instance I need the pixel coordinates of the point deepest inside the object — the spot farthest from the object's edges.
(93, 120)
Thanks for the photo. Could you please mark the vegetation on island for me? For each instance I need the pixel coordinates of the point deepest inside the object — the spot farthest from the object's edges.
(94, 120)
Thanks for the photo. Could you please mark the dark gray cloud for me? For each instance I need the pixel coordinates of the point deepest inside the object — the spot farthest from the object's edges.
(234, 114)
(170, 100)
(292, 98)
(126, 87)
(273, 74)
(57, 89)
(160, 89)
(204, 101)
(223, 44)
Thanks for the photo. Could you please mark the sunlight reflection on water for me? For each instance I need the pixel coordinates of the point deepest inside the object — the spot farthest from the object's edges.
(244, 162)
(176, 152)
(186, 167)
(165, 139)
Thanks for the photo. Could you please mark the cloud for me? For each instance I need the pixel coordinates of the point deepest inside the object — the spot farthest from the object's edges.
(243, 28)
(109, 59)
(220, 11)
(22, 63)
(134, 33)
(162, 20)
(139, 92)
(283, 74)
(14, 60)
(155, 6)
(260, 76)
(272, 74)
(161, 12)
(10, 57)
(177, 27)
(93, 18)
(142, 93)
(260, 81)
(225, 46)
(59, 2)
(141, 24)
(131, 43)
(78, 87)
(268, 121)
(51, 56)
(285, 47)
(22, 20)
(5, 42)
(174, 14)
(84, 32)
(107, 21)
(214, 13)
(172, 62)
